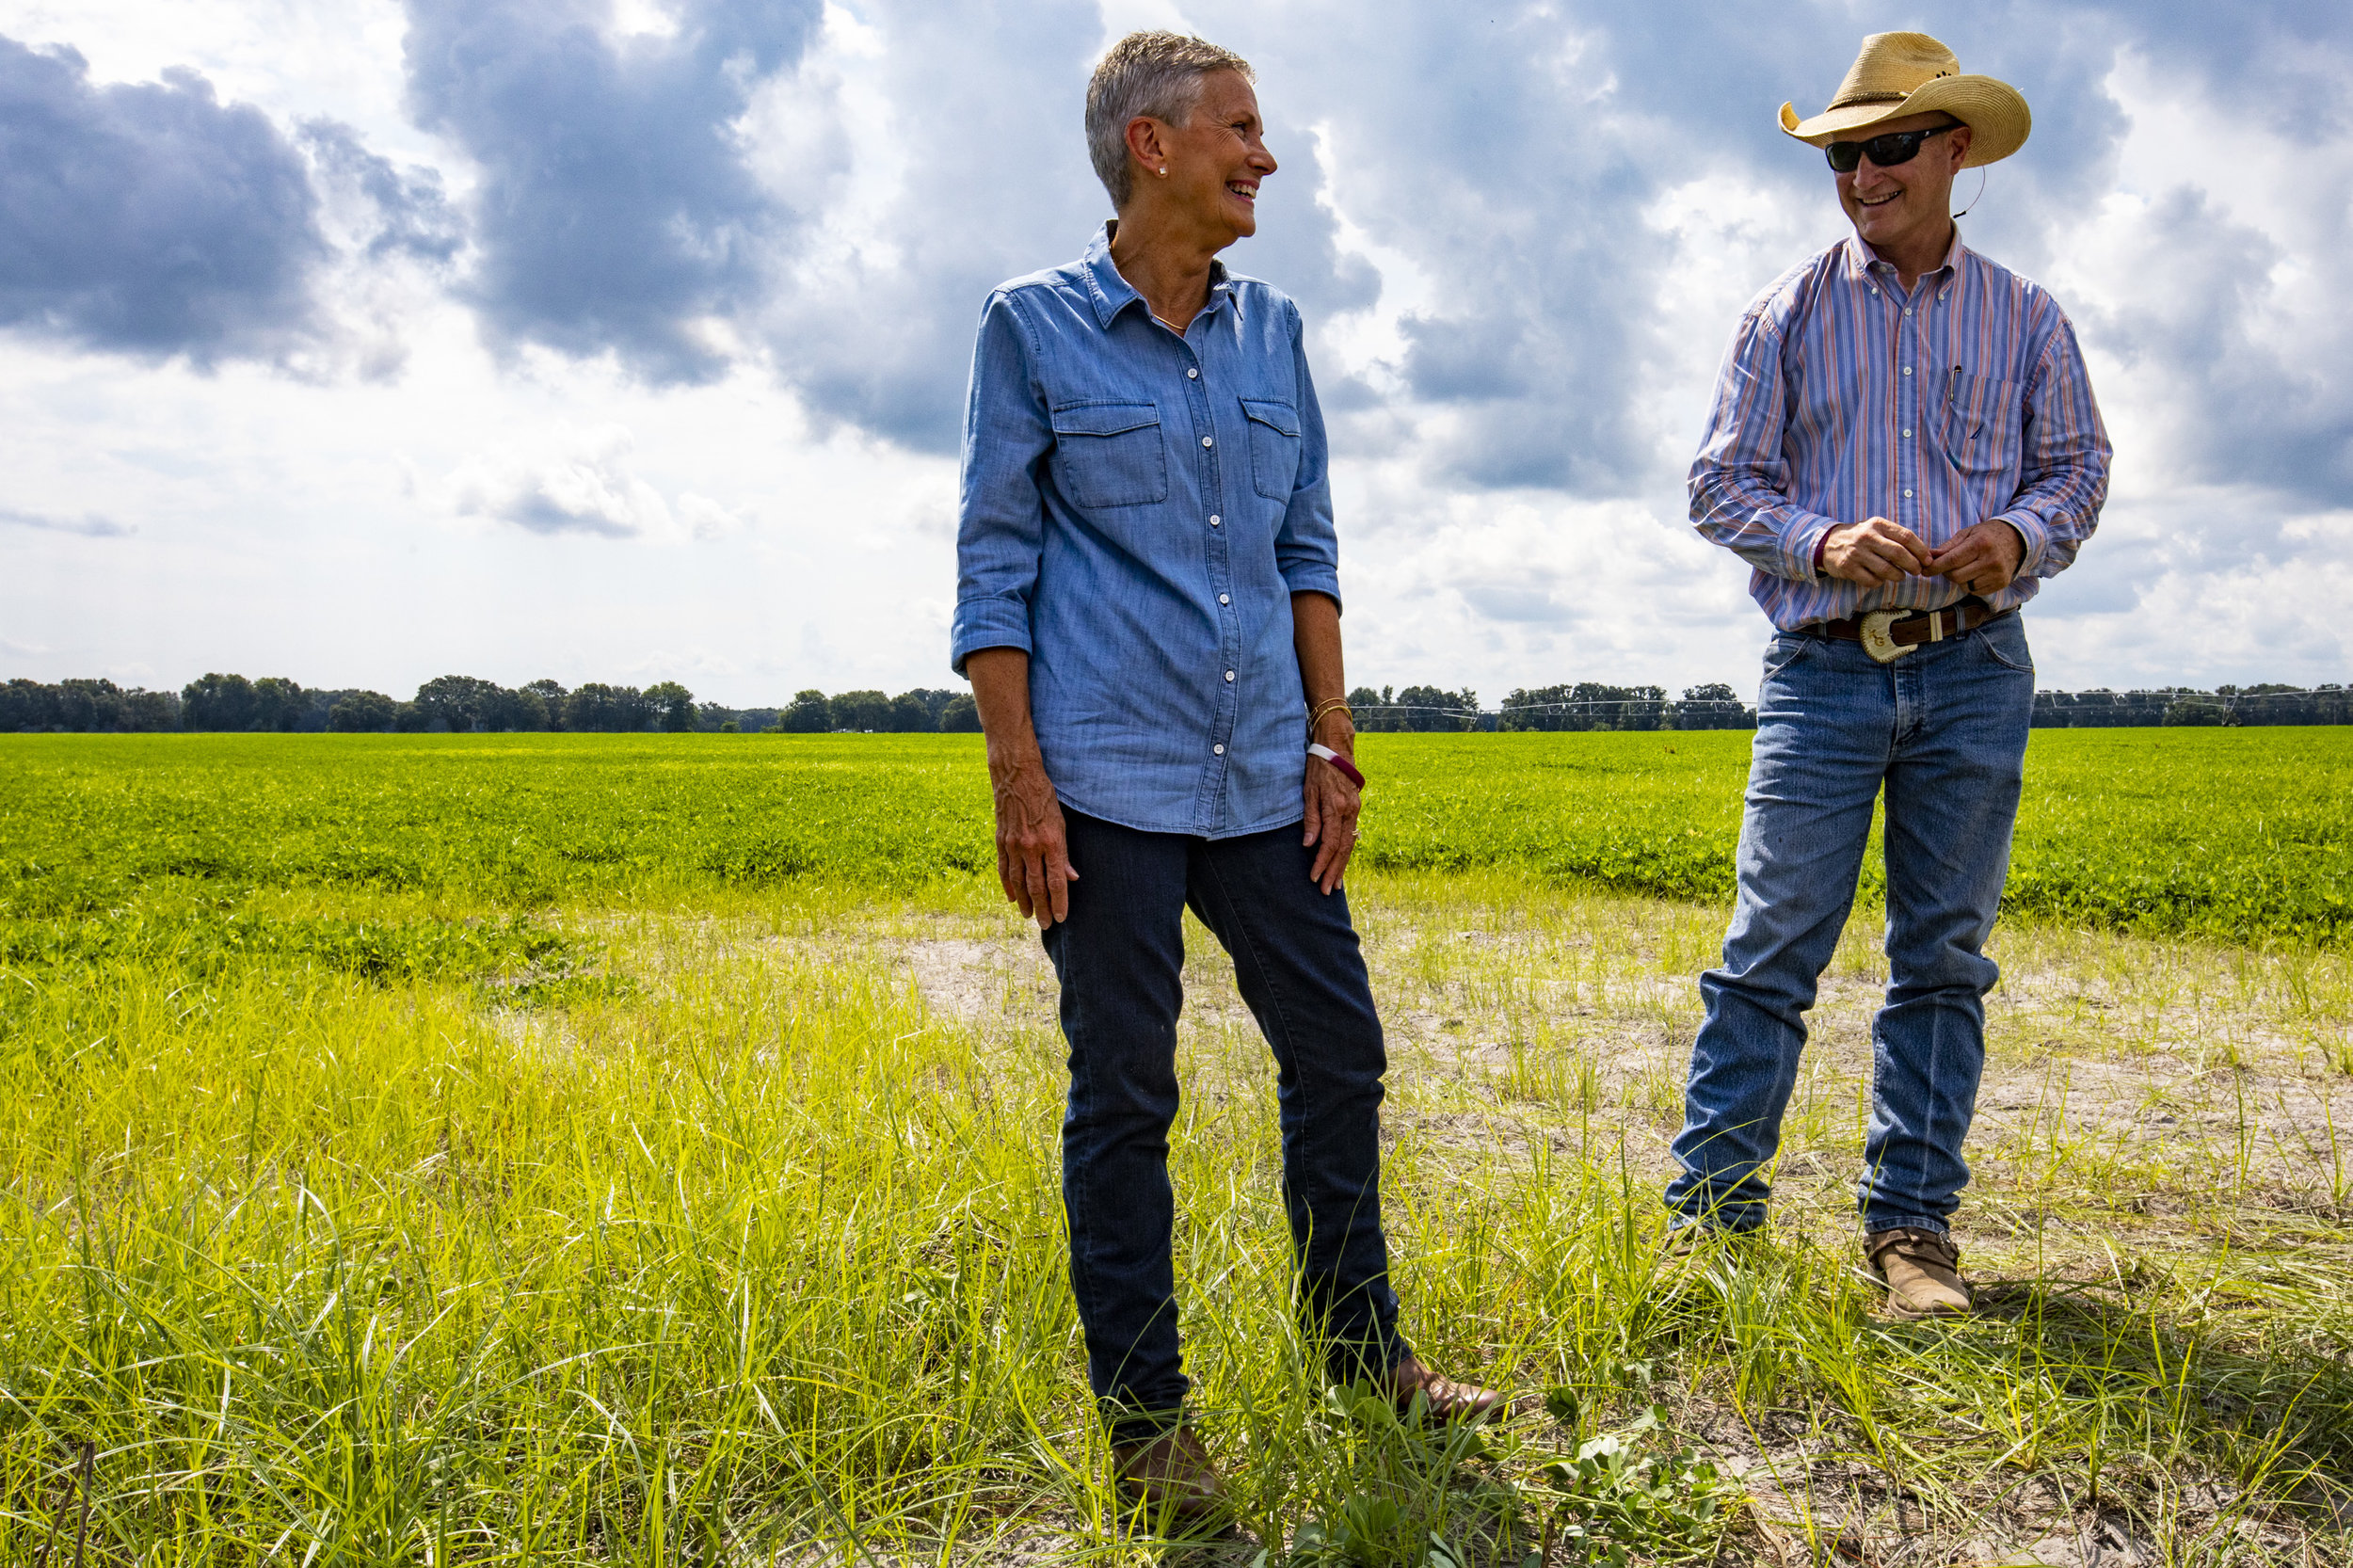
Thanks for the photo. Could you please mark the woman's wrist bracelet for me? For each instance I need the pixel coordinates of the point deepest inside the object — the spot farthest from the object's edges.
(1337, 705)
(1345, 768)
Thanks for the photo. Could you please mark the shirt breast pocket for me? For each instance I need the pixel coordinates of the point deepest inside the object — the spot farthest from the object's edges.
(1274, 446)
(1982, 425)
(1109, 455)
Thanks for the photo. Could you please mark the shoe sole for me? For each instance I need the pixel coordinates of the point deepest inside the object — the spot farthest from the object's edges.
(1896, 1311)
(1892, 1309)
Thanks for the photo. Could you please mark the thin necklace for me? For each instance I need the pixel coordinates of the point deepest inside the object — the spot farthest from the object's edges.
(1165, 322)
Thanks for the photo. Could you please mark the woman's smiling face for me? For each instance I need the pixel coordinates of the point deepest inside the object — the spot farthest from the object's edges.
(1217, 158)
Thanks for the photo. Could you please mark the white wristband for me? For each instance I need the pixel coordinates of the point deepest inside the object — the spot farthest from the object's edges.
(1346, 768)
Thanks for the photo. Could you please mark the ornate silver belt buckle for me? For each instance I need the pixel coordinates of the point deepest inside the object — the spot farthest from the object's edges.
(1877, 642)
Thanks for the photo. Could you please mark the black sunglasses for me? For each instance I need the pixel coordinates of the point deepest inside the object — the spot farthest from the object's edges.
(1896, 147)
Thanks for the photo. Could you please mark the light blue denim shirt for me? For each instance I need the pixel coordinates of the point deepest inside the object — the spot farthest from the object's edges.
(1137, 510)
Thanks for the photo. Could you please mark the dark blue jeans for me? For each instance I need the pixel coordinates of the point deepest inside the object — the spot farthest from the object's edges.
(1942, 733)
(1120, 957)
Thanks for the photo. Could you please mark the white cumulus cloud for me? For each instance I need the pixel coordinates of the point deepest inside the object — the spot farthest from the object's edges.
(585, 485)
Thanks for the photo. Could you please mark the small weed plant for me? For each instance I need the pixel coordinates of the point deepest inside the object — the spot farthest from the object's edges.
(1620, 1499)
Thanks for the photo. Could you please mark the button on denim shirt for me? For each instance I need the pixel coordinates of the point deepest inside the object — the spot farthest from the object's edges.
(1137, 509)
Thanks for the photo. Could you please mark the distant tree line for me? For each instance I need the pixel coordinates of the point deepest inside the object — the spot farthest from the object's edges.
(85, 705)
(1588, 705)
(1584, 705)
(2179, 705)
(464, 703)
(273, 703)
(459, 704)
(918, 713)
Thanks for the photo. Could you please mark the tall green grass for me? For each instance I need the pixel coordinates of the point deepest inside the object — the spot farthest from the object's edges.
(758, 1253)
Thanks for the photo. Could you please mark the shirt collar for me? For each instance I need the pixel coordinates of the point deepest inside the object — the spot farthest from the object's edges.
(1862, 259)
(1111, 294)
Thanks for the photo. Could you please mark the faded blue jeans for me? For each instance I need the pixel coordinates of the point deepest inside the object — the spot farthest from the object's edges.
(1941, 731)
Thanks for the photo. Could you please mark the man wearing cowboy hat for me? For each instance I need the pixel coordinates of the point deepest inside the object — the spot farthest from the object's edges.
(1903, 445)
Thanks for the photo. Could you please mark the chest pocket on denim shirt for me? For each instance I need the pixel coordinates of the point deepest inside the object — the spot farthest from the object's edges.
(1981, 422)
(1109, 453)
(1274, 446)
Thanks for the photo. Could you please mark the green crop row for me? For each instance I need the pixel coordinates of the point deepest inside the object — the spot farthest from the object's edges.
(192, 944)
(2237, 835)
(2230, 835)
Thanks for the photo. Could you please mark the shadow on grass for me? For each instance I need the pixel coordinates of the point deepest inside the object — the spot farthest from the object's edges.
(2234, 1389)
(2192, 1415)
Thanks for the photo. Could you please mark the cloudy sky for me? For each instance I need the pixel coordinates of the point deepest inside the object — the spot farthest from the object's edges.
(362, 341)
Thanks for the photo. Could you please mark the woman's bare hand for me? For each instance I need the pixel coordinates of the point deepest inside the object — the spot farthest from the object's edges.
(1033, 845)
(1333, 806)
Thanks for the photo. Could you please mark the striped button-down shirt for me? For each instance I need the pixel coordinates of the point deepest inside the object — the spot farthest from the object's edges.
(1843, 397)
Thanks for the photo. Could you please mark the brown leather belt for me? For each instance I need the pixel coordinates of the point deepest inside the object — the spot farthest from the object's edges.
(1926, 626)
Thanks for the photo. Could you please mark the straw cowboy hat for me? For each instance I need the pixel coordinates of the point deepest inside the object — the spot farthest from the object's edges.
(1907, 74)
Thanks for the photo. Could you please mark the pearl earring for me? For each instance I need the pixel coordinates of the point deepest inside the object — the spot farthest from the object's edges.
(1164, 171)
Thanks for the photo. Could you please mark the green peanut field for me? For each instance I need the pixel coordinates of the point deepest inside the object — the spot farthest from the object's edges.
(2232, 834)
(586, 1150)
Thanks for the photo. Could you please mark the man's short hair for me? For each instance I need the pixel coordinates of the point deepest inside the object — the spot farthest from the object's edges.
(1158, 74)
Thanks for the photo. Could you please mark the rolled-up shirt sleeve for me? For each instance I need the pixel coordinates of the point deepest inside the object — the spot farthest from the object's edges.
(2063, 476)
(1739, 481)
(1001, 517)
(1307, 545)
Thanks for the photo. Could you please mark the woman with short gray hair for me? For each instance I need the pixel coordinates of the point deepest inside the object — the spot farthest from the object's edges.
(1148, 609)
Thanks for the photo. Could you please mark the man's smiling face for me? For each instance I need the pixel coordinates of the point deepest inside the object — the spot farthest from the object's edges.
(1906, 205)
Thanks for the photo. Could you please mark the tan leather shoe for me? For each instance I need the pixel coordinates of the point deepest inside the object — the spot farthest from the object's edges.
(1450, 1401)
(1921, 1271)
(1172, 1472)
